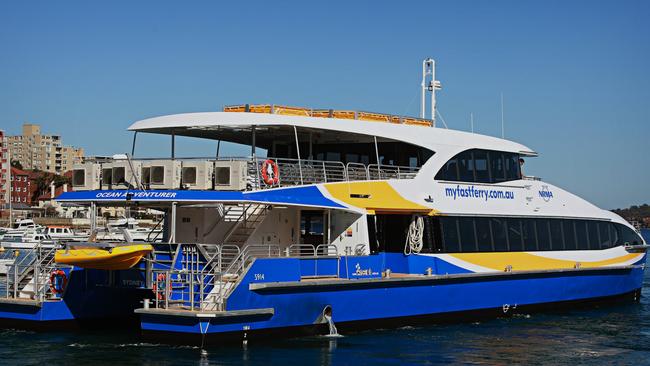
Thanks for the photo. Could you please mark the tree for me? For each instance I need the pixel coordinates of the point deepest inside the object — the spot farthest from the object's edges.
(16, 164)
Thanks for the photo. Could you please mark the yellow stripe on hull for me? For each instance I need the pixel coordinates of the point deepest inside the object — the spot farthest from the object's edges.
(374, 197)
(522, 261)
(118, 258)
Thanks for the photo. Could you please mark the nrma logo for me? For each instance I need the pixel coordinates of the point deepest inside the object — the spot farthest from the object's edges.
(546, 193)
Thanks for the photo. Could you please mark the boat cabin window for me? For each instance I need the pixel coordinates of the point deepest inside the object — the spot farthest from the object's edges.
(481, 166)
(312, 227)
(450, 234)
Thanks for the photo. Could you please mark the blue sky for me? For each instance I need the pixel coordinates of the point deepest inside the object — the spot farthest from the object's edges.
(574, 74)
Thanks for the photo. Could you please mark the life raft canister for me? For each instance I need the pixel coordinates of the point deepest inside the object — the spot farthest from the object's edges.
(58, 281)
(270, 172)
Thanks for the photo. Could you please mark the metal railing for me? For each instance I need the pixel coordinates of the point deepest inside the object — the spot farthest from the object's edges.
(204, 283)
(379, 172)
(29, 275)
(307, 171)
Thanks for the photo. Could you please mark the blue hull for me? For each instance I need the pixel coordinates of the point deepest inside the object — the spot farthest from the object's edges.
(365, 302)
(91, 297)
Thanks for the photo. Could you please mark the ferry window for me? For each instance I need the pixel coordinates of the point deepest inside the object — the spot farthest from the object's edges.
(449, 171)
(483, 234)
(333, 156)
(497, 170)
(499, 234)
(604, 235)
(450, 234)
(413, 161)
(512, 166)
(628, 236)
(614, 235)
(465, 167)
(543, 234)
(557, 239)
(431, 237)
(351, 158)
(467, 238)
(569, 235)
(481, 166)
(581, 234)
(529, 235)
(592, 232)
(514, 235)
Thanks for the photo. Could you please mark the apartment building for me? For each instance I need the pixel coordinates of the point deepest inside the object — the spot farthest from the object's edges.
(35, 150)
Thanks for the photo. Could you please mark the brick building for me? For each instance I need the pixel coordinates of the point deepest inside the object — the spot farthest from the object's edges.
(21, 187)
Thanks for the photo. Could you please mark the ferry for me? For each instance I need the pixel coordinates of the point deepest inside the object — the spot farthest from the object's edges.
(349, 220)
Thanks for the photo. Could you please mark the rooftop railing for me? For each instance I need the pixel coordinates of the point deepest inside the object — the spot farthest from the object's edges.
(298, 172)
(290, 172)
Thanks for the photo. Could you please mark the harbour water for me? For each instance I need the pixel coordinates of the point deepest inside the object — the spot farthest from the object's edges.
(604, 335)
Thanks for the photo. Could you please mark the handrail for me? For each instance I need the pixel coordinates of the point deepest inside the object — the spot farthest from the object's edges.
(301, 250)
(206, 280)
(153, 229)
(327, 250)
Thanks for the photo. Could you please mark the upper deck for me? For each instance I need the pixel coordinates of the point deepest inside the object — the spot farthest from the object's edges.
(308, 145)
(270, 124)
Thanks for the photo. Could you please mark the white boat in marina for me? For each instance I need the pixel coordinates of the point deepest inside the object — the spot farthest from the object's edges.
(64, 233)
(28, 239)
(20, 227)
(114, 232)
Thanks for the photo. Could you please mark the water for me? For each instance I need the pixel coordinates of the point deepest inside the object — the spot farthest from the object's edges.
(605, 335)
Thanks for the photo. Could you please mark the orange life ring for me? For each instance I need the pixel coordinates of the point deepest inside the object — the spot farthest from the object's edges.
(160, 278)
(58, 281)
(270, 172)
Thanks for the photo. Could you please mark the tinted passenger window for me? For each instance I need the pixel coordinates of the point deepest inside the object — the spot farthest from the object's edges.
(467, 239)
(581, 234)
(543, 234)
(449, 171)
(592, 232)
(465, 167)
(512, 167)
(497, 170)
(628, 236)
(557, 239)
(529, 235)
(481, 168)
(569, 235)
(499, 234)
(604, 234)
(483, 234)
(450, 234)
(514, 235)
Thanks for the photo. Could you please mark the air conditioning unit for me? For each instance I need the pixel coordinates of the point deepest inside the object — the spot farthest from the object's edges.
(230, 175)
(161, 174)
(123, 175)
(197, 174)
(86, 177)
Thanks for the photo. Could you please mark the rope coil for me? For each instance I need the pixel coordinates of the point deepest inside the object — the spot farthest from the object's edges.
(414, 242)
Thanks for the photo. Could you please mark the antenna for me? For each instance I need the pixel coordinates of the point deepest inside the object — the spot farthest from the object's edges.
(503, 131)
(429, 68)
(471, 121)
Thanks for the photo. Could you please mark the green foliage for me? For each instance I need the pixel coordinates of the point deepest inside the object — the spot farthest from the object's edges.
(16, 164)
(634, 212)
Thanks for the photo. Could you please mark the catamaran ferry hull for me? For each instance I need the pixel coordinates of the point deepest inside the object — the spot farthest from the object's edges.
(289, 308)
